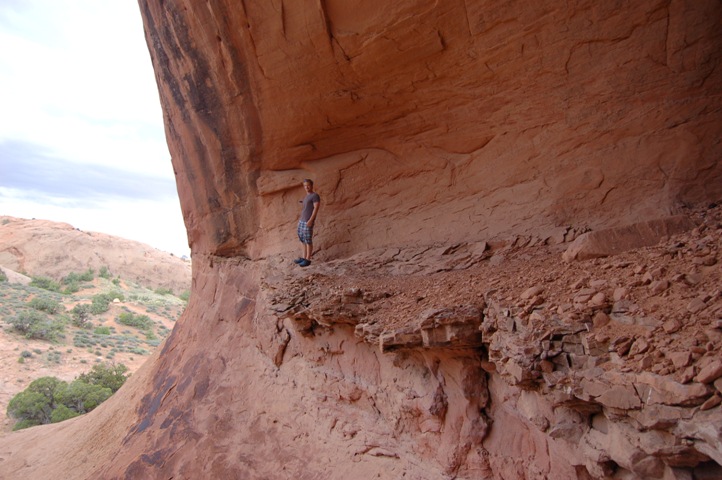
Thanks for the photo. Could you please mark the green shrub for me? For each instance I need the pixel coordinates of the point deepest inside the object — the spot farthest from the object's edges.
(139, 321)
(101, 301)
(34, 324)
(45, 283)
(81, 315)
(50, 400)
(62, 413)
(74, 277)
(100, 304)
(3, 276)
(104, 273)
(45, 304)
(71, 288)
(185, 295)
(35, 404)
(80, 396)
(30, 408)
(163, 291)
(102, 330)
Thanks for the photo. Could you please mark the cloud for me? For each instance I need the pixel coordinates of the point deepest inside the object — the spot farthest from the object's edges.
(81, 129)
(34, 171)
(77, 78)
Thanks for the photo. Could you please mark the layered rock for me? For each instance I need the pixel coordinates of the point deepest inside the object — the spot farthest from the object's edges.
(448, 141)
(588, 370)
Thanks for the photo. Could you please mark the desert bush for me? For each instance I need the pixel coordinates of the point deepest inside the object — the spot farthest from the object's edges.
(51, 400)
(163, 291)
(62, 413)
(45, 304)
(101, 304)
(45, 283)
(30, 409)
(71, 288)
(80, 396)
(3, 276)
(185, 295)
(74, 277)
(139, 321)
(102, 330)
(101, 301)
(81, 315)
(54, 357)
(35, 324)
(104, 273)
(35, 404)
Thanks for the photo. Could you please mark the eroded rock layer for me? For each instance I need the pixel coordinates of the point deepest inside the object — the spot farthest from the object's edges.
(459, 147)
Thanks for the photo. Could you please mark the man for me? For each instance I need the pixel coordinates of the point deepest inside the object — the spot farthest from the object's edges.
(309, 211)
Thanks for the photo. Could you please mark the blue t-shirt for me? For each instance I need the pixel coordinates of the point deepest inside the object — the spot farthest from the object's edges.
(308, 202)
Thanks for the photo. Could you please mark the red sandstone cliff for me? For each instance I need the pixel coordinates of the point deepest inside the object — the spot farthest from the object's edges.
(436, 132)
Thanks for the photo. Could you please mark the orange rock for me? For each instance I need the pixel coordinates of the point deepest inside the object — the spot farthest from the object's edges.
(422, 123)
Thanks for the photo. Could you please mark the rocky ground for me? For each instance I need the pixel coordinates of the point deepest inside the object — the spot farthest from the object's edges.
(635, 335)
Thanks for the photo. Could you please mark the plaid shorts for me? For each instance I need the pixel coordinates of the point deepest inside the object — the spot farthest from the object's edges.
(305, 233)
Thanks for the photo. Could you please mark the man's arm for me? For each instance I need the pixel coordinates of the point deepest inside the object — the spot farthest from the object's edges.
(311, 220)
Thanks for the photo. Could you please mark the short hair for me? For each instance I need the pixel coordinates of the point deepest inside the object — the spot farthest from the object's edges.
(308, 180)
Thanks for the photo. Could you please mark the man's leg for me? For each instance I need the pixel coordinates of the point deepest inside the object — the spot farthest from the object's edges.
(308, 251)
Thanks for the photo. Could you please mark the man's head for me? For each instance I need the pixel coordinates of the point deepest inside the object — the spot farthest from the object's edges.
(308, 185)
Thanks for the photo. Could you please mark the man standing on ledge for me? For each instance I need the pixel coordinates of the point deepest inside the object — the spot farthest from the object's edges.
(309, 211)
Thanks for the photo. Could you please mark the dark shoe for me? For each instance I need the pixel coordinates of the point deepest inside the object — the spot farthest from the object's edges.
(299, 260)
(305, 263)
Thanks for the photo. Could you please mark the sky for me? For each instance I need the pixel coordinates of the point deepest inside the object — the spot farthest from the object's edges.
(81, 128)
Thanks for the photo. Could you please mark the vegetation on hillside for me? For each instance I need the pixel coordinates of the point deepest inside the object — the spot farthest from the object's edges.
(104, 319)
(51, 400)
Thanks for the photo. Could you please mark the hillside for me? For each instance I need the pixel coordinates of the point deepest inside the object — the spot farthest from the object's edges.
(145, 281)
(73, 349)
(52, 249)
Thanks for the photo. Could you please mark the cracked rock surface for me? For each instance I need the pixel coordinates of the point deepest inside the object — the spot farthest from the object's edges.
(620, 353)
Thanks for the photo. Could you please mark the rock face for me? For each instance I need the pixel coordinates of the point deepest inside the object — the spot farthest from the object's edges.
(452, 143)
(52, 249)
(430, 121)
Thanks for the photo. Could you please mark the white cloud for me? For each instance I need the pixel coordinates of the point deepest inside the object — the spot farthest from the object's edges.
(76, 81)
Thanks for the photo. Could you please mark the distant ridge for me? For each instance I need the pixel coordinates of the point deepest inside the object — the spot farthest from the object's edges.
(54, 249)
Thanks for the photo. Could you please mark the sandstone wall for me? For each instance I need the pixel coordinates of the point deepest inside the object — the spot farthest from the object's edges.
(422, 122)
(432, 121)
